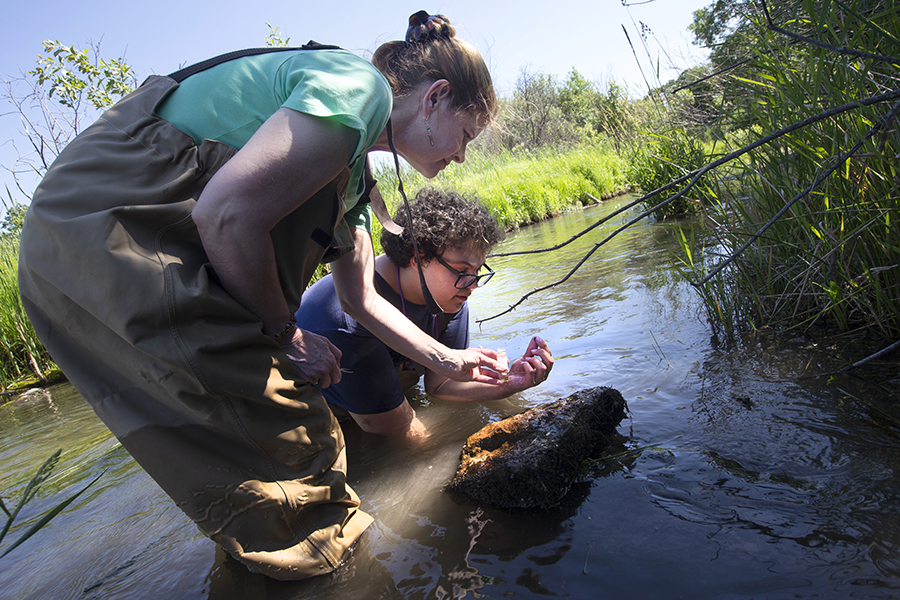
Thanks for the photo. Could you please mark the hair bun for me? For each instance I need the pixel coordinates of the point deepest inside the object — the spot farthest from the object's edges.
(424, 27)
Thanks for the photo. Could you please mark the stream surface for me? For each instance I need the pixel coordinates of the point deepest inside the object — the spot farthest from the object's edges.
(744, 470)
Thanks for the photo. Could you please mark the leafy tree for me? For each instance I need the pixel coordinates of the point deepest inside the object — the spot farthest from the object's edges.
(75, 76)
(578, 101)
(13, 219)
(274, 39)
(734, 32)
(533, 118)
(614, 112)
(67, 88)
(714, 23)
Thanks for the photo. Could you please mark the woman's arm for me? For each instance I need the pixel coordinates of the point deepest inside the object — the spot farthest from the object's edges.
(290, 158)
(353, 277)
(530, 370)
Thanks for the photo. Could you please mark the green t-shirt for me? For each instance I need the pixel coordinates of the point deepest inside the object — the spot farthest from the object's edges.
(230, 101)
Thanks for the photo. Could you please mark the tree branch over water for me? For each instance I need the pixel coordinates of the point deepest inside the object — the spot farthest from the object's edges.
(834, 167)
(696, 175)
(839, 49)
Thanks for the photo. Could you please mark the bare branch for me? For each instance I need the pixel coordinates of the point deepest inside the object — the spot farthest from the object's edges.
(839, 49)
(695, 177)
(881, 352)
(837, 164)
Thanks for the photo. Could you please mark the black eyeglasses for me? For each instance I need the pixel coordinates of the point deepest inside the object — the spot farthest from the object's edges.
(465, 280)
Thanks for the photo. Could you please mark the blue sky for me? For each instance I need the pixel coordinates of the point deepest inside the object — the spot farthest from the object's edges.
(550, 37)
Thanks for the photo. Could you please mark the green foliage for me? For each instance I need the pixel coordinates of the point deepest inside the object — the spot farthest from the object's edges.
(665, 158)
(617, 116)
(544, 114)
(21, 353)
(14, 217)
(520, 187)
(577, 101)
(532, 117)
(43, 473)
(734, 32)
(274, 39)
(73, 75)
(67, 87)
(697, 105)
(831, 260)
(712, 25)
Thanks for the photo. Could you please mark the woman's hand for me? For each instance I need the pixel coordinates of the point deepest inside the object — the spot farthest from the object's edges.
(533, 368)
(317, 359)
(528, 371)
(474, 364)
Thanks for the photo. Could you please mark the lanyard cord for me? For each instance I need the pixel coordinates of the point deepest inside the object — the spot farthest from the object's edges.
(433, 307)
(434, 324)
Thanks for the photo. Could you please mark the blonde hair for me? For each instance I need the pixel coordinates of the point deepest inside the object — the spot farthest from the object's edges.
(439, 55)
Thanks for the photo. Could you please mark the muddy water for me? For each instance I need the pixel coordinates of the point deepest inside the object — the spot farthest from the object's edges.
(744, 469)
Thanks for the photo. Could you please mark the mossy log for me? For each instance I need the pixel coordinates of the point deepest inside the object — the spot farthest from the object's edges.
(530, 460)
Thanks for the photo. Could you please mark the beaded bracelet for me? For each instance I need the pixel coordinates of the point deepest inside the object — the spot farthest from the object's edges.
(292, 322)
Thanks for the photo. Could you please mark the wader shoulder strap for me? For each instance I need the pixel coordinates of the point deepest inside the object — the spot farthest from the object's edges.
(186, 72)
(441, 320)
(372, 194)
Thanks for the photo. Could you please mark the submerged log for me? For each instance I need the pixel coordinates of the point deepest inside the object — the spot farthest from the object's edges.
(530, 460)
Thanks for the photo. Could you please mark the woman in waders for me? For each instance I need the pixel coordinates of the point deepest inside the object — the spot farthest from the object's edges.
(167, 248)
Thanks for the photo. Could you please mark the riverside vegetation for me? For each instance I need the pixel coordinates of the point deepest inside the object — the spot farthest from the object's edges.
(828, 260)
(807, 222)
(831, 260)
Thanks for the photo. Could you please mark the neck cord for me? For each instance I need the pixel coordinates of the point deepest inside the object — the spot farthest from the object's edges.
(403, 304)
(400, 289)
(433, 307)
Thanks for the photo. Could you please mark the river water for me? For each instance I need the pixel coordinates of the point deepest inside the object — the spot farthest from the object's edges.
(745, 469)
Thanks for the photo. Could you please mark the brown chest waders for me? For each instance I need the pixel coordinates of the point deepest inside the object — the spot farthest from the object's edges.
(117, 285)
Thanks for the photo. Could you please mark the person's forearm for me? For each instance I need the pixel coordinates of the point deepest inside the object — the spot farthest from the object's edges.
(361, 301)
(290, 158)
(529, 370)
(465, 391)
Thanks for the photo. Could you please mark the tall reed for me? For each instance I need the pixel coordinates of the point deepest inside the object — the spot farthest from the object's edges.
(833, 259)
(21, 353)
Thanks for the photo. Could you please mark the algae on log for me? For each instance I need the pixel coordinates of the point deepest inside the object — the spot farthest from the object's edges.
(530, 460)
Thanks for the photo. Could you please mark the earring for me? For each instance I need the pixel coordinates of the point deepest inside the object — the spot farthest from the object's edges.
(428, 131)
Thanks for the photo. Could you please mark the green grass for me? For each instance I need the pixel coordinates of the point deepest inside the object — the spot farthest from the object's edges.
(31, 489)
(522, 188)
(22, 356)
